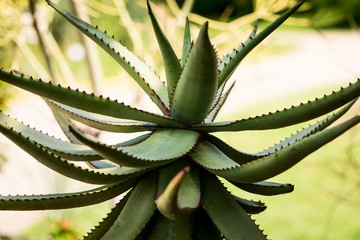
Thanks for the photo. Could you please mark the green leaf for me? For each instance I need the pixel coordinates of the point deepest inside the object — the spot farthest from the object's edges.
(219, 101)
(265, 188)
(312, 129)
(178, 191)
(250, 206)
(61, 148)
(229, 67)
(137, 211)
(146, 78)
(102, 122)
(163, 146)
(266, 167)
(163, 228)
(103, 176)
(65, 200)
(229, 217)
(235, 155)
(107, 222)
(287, 117)
(84, 101)
(196, 88)
(171, 62)
(186, 43)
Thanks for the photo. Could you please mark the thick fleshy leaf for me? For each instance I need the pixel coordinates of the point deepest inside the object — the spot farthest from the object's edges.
(107, 222)
(61, 148)
(102, 122)
(196, 88)
(312, 129)
(265, 188)
(229, 67)
(84, 101)
(137, 211)
(219, 101)
(163, 228)
(228, 57)
(229, 217)
(171, 62)
(264, 168)
(235, 155)
(103, 176)
(63, 201)
(146, 78)
(186, 43)
(287, 117)
(250, 206)
(163, 146)
(178, 191)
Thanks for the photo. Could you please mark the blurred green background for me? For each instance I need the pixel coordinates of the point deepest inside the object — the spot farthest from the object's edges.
(325, 202)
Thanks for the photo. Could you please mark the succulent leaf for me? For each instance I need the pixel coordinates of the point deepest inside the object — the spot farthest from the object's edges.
(102, 122)
(156, 150)
(265, 188)
(219, 101)
(178, 191)
(187, 44)
(250, 206)
(230, 66)
(103, 176)
(196, 88)
(104, 226)
(163, 228)
(271, 165)
(84, 101)
(312, 129)
(235, 155)
(61, 148)
(146, 78)
(287, 117)
(171, 61)
(229, 217)
(63, 201)
(137, 211)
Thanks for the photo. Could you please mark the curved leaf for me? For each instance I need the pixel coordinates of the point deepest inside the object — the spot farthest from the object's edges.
(235, 155)
(229, 217)
(250, 206)
(63, 201)
(107, 222)
(186, 43)
(163, 228)
(61, 148)
(271, 165)
(312, 129)
(102, 122)
(196, 88)
(171, 62)
(146, 78)
(105, 176)
(84, 101)
(229, 67)
(287, 117)
(137, 211)
(164, 145)
(265, 188)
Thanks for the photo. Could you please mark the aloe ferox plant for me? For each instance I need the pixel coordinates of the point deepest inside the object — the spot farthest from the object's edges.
(169, 175)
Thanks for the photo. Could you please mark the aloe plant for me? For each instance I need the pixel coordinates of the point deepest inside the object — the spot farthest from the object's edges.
(169, 175)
